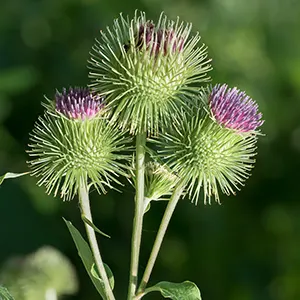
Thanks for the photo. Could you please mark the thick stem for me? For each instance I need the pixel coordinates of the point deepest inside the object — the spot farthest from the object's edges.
(160, 236)
(86, 211)
(138, 215)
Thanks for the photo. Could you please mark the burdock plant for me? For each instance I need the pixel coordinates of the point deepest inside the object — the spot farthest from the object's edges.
(191, 140)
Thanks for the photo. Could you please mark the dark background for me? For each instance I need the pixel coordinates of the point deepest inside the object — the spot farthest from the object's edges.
(247, 248)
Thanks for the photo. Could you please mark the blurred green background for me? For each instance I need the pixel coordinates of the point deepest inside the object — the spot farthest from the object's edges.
(246, 249)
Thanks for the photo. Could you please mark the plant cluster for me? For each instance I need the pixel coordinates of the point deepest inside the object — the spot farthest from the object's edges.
(149, 85)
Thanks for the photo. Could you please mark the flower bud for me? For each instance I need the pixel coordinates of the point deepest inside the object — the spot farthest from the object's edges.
(159, 181)
(143, 68)
(74, 144)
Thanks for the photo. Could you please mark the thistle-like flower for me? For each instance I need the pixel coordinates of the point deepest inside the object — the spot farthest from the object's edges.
(143, 69)
(208, 156)
(234, 109)
(74, 144)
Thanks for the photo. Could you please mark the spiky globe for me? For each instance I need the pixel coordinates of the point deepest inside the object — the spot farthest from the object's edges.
(234, 109)
(206, 156)
(74, 144)
(143, 68)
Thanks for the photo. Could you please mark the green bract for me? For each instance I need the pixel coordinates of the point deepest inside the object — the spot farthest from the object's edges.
(206, 155)
(143, 69)
(67, 152)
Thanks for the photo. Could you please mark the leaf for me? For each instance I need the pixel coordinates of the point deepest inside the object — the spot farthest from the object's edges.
(87, 258)
(186, 290)
(109, 273)
(11, 175)
(87, 221)
(4, 294)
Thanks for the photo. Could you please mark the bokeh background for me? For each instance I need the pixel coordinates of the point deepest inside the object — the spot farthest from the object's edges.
(246, 249)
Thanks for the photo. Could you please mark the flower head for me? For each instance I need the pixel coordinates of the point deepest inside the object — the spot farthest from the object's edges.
(234, 109)
(67, 153)
(78, 103)
(143, 69)
(206, 156)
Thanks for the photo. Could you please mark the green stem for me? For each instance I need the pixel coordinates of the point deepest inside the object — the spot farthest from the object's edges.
(138, 215)
(86, 212)
(159, 237)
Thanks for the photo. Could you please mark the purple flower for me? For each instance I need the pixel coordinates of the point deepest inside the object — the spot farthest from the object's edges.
(158, 40)
(234, 109)
(78, 103)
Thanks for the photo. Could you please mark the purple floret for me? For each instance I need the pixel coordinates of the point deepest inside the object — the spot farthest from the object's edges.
(158, 40)
(78, 103)
(234, 109)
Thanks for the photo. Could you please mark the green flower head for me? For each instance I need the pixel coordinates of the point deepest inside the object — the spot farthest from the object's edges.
(206, 155)
(143, 68)
(74, 144)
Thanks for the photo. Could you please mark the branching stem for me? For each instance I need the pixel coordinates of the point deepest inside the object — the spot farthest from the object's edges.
(159, 237)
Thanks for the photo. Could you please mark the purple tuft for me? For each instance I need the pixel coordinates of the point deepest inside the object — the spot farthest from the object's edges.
(78, 103)
(158, 40)
(234, 109)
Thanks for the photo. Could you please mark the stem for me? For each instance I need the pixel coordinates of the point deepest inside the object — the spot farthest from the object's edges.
(86, 211)
(160, 235)
(138, 214)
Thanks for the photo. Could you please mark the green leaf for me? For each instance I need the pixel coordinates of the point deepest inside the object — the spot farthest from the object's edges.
(11, 175)
(4, 294)
(87, 221)
(109, 273)
(186, 290)
(87, 258)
